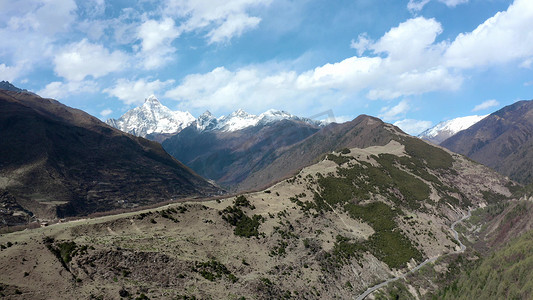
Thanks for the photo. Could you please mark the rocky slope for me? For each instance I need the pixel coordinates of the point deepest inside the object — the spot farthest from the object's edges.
(57, 161)
(6, 85)
(444, 130)
(353, 219)
(503, 141)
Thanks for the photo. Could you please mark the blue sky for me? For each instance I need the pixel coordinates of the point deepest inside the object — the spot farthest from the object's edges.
(413, 63)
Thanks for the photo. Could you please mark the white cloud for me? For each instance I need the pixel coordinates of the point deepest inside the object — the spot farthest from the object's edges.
(45, 17)
(9, 73)
(453, 3)
(413, 127)
(79, 60)
(156, 34)
(405, 61)
(233, 26)
(222, 19)
(396, 74)
(28, 29)
(485, 105)
(59, 90)
(415, 5)
(411, 67)
(394, 112)
(410, 39)
(418, 5)
(505, 37)
(106, 112)
(416, 83)
(352, 73)
(134, 92)
(156, 38)
(246, 88)
(362, 44)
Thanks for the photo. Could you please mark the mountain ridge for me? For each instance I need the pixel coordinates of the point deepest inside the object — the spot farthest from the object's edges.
(152, 117)
(445, 129)
(155, 121)
(228, 157)
(58, 161)
(503, 141)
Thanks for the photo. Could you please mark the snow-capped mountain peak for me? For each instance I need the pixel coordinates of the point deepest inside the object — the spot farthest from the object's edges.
(275, 115)
(237, 120)
(206, 121)
(446, 129)
(240, 113)
(152, 117)
(240, 119)
(152, 100)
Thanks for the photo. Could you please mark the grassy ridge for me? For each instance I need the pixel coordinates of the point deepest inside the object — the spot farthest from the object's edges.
(360, 180)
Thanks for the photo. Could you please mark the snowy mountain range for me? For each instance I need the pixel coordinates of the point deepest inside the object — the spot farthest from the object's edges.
(155, 118)
(152, 117)
(440, 132)
(240, 119)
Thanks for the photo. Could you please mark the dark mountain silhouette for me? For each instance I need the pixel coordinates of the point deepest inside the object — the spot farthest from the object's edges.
(60, 161)
(6, 85)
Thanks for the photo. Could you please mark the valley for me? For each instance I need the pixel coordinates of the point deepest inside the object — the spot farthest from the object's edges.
(297, 239)
(355, 210)
(266, 149)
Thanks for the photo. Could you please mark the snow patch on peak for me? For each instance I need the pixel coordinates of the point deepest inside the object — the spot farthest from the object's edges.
(446, 129)
(276, 115)
(152, 117)
(151, 98)
(206, 121)
(237, 120)
(206, 114)
(240, 119)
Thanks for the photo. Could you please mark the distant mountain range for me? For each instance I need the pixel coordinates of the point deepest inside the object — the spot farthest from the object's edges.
(257, 156)
(227, 149)
(59, 161)
(152, 118)
(155, 121)
(440, 132)
(241, 151)
(503, 141)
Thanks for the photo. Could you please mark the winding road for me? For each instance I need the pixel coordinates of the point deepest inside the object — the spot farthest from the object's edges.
(429, 260)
